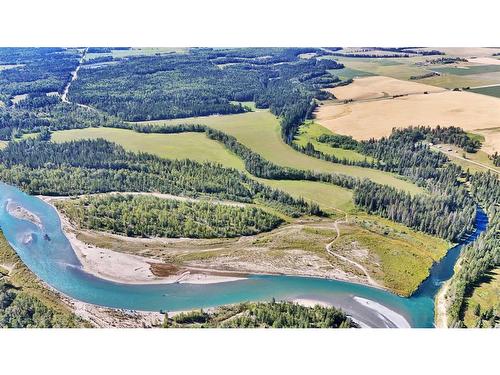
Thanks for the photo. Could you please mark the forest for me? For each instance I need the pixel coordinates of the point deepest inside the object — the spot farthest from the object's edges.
(481, 255)
(38, 111)
(150, 216)
(99, 166)
(20, 310)
(262, 315)
(35, 70)
(206, 81)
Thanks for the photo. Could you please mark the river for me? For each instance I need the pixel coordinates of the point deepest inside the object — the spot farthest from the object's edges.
(53, 260)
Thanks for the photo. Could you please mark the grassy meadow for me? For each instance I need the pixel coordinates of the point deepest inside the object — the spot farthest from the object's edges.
(403, 256)
(260, 131)
(486, 295)
(310, 131)
(195, 146)
(328, 196)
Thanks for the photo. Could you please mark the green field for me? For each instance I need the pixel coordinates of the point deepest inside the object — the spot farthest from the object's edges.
(250, 105)
(260, 131)
(469, 70)
(195, 146)
(348, 73)
(486, 294)
(328, 196)
(3, 144)
(310, 131)
(491, 91)
(405, 255)
(453, 81)
(402, 68)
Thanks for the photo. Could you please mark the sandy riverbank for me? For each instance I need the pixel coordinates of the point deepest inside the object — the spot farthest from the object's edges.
(128, 268)
(21, 213)
(441, 315)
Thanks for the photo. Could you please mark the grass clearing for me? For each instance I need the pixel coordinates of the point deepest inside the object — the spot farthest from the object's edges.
(403, 256)
(328, 196)
(195, 146)
(3, 144)
(260, 131)
(250, 105)
(486, 294)
(310, 131)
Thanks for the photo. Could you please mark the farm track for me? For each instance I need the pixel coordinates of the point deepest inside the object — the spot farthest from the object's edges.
(450, 154)
(345, 259)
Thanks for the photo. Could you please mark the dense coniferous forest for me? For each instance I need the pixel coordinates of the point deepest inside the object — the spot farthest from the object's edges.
(481, 255)
(36, 112)
(263, 315)
(99, 166)
(449, 216)
(206, 81)
(146, 216)
(35, 70)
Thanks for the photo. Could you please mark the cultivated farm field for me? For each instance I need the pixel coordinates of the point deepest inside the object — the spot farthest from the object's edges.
(377, 118)
(380, 87)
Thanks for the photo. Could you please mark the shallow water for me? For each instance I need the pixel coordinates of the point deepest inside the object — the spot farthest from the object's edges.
(55, 262)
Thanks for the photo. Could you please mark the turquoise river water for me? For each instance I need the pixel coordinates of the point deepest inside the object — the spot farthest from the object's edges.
(55, 262)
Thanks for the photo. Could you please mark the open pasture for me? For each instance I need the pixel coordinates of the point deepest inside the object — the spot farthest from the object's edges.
(195, 146)
(260, 131)
(490, 90)
(310, 131)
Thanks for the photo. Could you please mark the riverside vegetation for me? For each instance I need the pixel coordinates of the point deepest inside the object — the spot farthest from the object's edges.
(24, 302)
(217, 81)
(262, 315)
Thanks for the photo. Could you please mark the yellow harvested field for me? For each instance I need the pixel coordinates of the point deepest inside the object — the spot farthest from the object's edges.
(491, 139)
(380, 87)
(375, 119)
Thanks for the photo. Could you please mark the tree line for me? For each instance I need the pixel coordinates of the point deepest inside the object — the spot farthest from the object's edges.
(483, 254)
(99, 166)
(150, 216)
(262, 315)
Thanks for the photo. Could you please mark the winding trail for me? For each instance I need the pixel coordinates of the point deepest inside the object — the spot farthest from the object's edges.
(356, 264)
